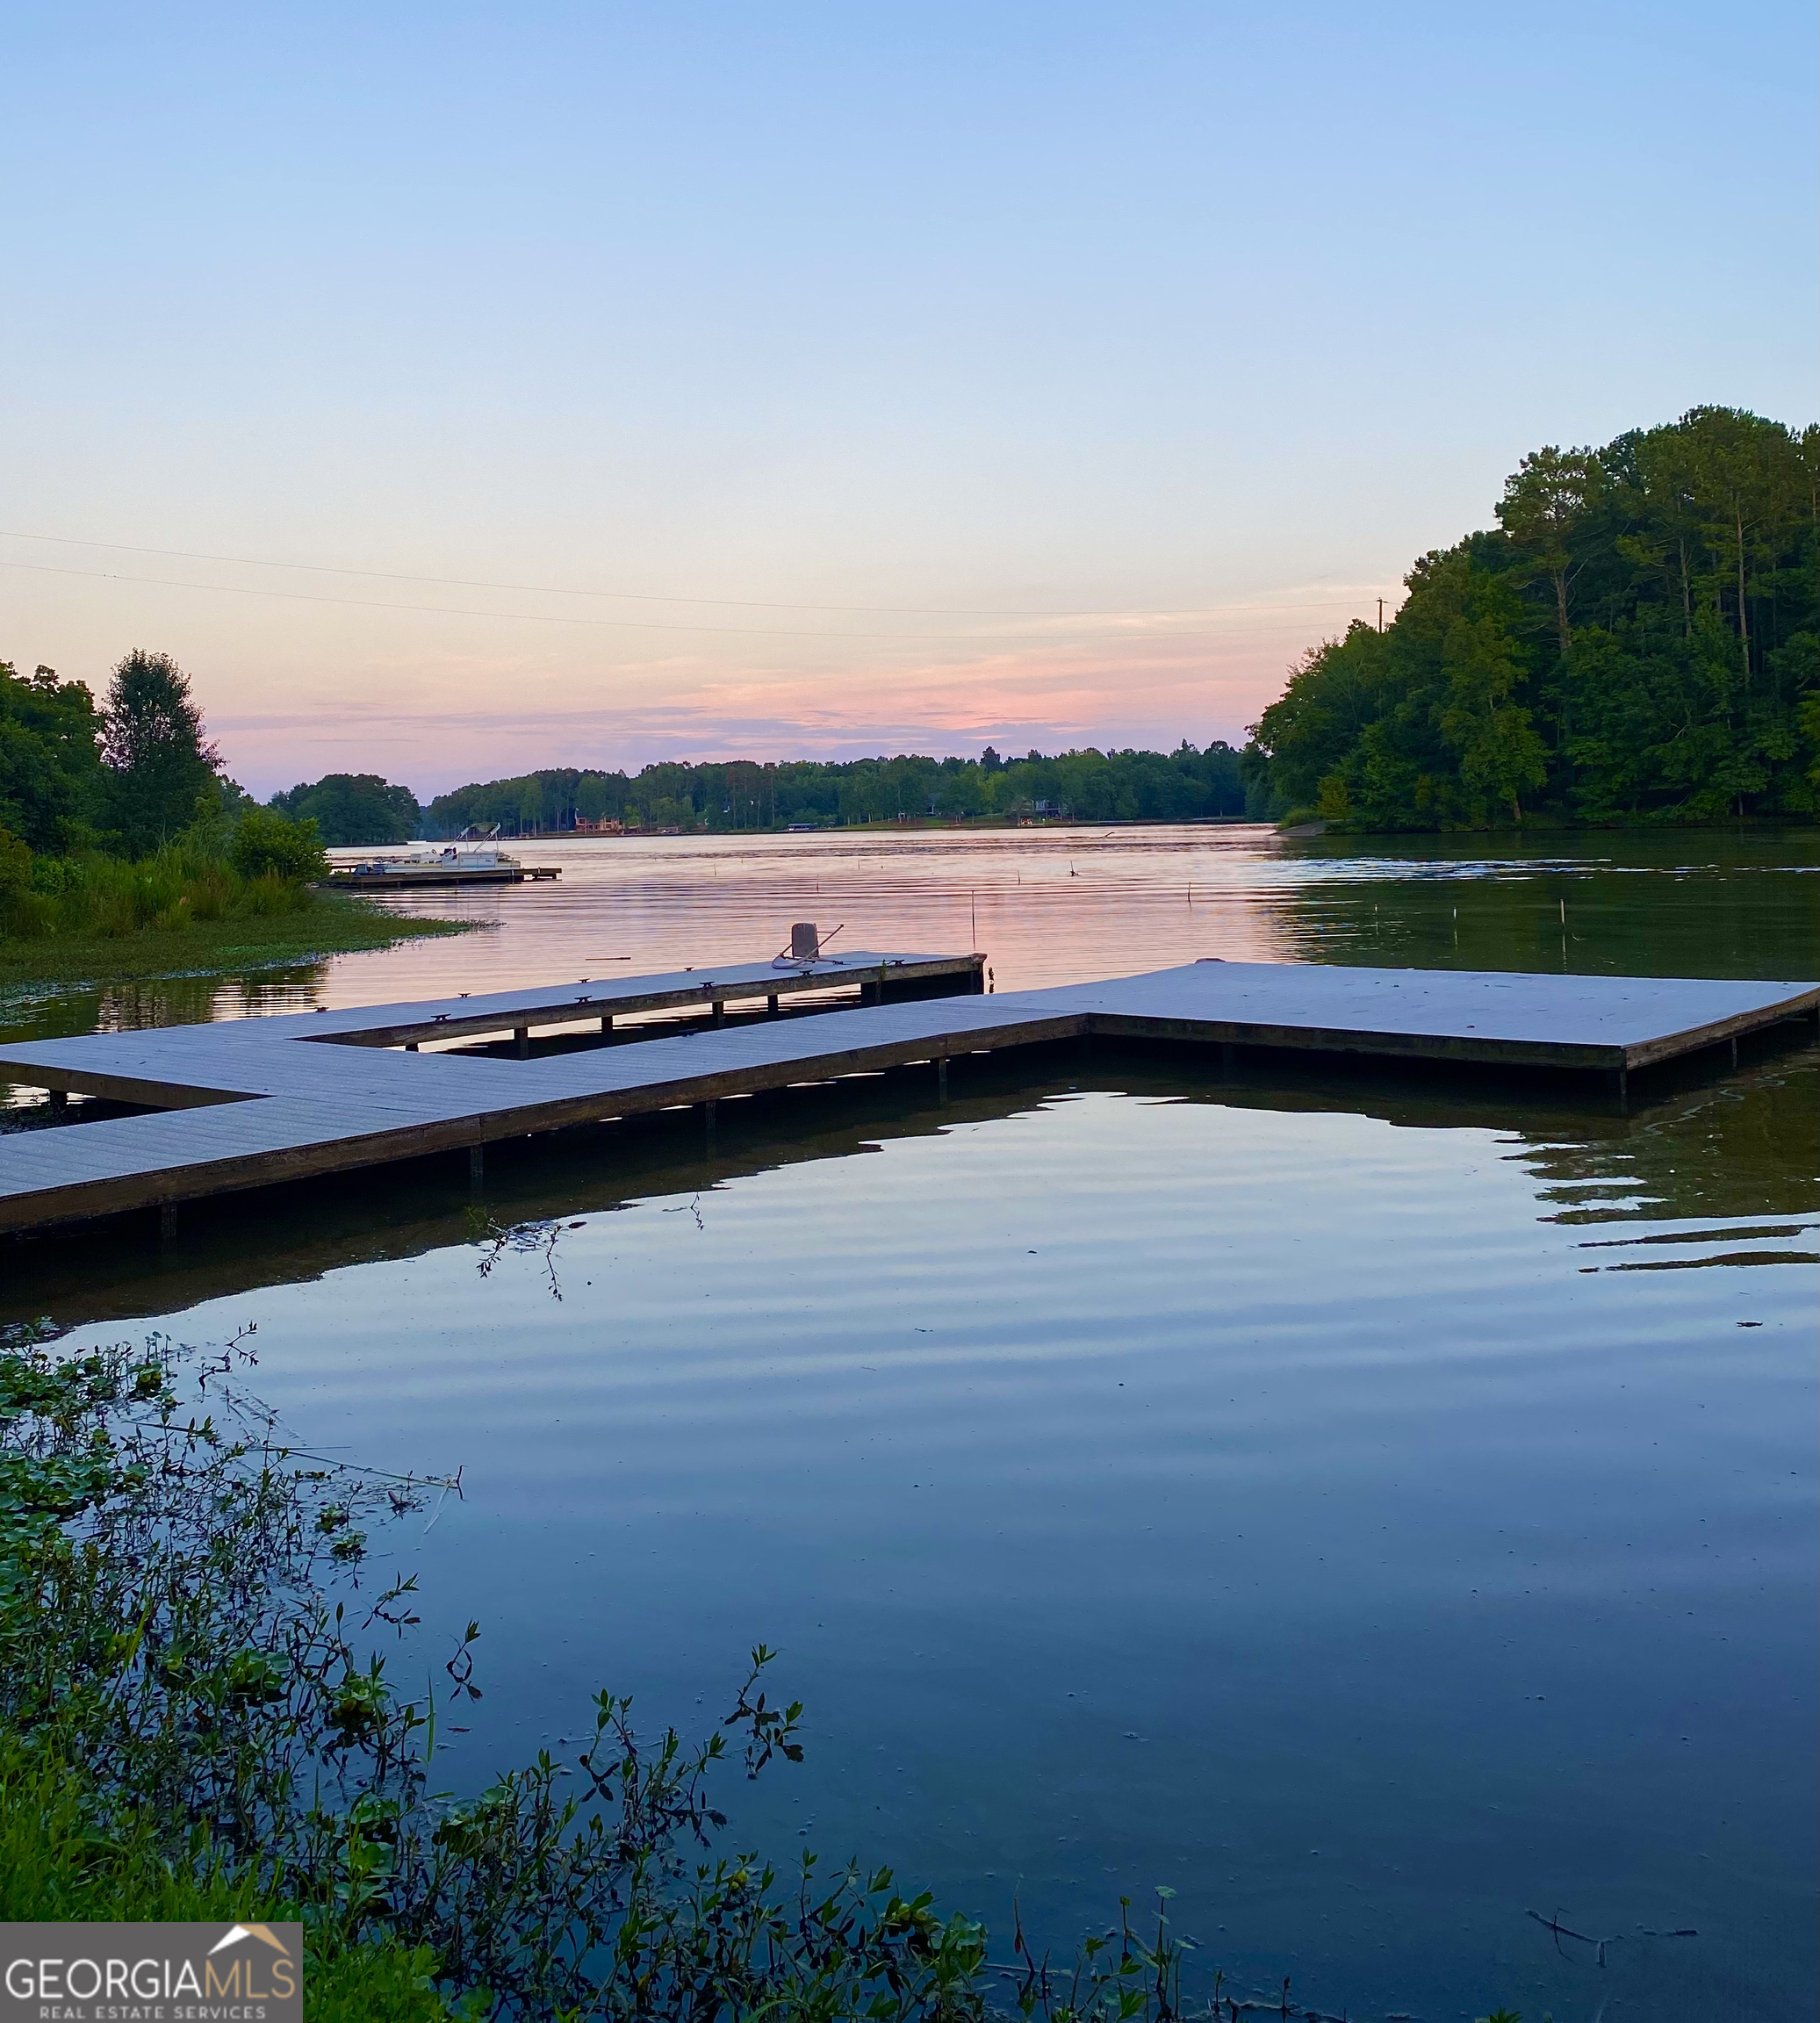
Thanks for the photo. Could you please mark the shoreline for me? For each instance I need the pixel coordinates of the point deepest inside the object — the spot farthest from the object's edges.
(332, 926)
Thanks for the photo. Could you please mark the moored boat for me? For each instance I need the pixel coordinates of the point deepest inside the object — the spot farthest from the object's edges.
(430, 865)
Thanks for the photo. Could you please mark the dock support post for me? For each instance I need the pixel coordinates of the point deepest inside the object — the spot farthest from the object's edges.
(941, 1077)
(1621, 1082)
(771, 1006)
(607, 1022)
(522, 1035)
(167, 1222)
(711, 1110)
(1734, 1049)
(476, 1167)
(720, 1011)
(410, 1046)
(59, 1097)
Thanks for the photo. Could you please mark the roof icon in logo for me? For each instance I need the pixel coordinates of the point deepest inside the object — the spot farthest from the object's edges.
(236, 1932)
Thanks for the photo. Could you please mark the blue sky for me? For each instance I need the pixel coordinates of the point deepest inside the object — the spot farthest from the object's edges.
(1034, 374)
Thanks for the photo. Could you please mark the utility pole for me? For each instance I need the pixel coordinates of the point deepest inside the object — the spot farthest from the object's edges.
(1380, 614)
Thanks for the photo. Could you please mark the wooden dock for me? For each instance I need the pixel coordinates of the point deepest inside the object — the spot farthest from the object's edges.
(246, 1103)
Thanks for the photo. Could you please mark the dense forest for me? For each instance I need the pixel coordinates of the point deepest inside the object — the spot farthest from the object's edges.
(1638, 640)
(1081, 786)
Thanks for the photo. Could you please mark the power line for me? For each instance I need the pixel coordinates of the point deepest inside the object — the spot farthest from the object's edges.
(625, 596)
(564, 618)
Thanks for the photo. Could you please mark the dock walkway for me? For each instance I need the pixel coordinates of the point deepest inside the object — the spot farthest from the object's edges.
(247, 1102)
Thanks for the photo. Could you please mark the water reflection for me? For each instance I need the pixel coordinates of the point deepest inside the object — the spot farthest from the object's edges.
(1056, 906)
(1290, 1491)
(1720, 1149)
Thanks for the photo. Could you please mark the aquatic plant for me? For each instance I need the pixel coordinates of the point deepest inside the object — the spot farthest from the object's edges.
(191, 1711)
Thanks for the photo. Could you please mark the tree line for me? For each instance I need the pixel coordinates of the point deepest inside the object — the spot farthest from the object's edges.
(1636, 640)
(1088, 786)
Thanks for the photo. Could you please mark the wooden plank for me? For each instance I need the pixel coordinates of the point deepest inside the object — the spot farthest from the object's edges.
(246, 1106)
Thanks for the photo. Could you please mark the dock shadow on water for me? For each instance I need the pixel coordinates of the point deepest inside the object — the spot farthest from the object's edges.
(1375, 1507)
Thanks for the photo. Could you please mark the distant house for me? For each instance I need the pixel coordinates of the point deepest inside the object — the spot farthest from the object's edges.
(605, 825)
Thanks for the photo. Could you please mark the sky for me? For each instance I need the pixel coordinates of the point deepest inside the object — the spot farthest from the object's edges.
(455, 390)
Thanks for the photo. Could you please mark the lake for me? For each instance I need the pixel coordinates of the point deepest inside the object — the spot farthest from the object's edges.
(1373, 1507)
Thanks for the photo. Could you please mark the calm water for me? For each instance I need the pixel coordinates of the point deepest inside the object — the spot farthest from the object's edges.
(1371, 1507)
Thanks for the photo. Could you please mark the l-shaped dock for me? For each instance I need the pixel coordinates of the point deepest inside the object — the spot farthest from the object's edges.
(251, 1102)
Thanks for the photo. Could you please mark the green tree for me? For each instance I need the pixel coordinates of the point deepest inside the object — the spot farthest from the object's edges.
(354, 807)
(1545, 502)
(50, 757)
(266, 841)
(155, 751)
(1655, 602)
(1500, 756)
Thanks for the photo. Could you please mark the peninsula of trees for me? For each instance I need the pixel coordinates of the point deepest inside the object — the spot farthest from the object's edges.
(1638, 640)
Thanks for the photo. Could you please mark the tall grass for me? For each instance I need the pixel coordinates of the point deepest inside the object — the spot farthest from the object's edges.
(214, 870)
(104, 897)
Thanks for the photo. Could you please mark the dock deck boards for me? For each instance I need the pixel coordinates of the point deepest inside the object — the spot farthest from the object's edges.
(247, 1102)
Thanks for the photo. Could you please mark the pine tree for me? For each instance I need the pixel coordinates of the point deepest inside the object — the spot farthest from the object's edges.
(155, 750)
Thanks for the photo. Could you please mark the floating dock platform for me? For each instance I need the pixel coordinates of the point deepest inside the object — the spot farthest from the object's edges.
(413, 879)
(246, 1103)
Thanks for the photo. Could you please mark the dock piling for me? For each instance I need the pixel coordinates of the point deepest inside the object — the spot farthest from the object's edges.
(522, 1035)
(167, 1222)
(477, 1168)
(59, 1102)
(941, 1077)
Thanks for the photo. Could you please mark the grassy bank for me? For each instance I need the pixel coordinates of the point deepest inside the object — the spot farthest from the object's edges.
(326, 923)
(55, 1867)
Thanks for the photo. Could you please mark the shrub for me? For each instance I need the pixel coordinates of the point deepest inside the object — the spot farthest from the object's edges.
(16, 866)
(266, 841)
